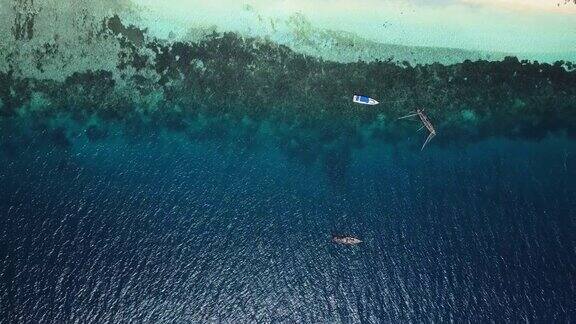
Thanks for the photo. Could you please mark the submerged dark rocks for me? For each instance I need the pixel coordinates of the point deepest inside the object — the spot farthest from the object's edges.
(227, 86)
(131, 32)
(95, 133)
(59, 138)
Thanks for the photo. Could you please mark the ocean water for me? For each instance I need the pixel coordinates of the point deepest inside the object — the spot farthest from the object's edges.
(189, 161)
(169, 230)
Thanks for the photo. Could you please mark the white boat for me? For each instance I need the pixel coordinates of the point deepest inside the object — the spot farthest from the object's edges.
(364, 100)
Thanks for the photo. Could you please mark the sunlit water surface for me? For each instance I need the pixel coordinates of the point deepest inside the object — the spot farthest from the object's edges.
(171, 230)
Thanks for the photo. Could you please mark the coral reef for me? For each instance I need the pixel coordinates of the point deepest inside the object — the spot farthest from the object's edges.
(245, 88)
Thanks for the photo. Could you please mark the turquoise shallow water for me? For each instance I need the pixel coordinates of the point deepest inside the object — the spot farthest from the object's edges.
(173, 230)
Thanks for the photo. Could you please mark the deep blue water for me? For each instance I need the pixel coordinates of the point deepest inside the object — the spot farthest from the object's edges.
(170, 230)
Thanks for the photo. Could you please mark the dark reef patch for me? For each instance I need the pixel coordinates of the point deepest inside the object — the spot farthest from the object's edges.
(95, 133)
(58, 137)
(131, 32)
(227, 86)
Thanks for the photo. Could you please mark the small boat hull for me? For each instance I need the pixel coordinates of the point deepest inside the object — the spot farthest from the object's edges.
(346, 239)
(363, 100)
